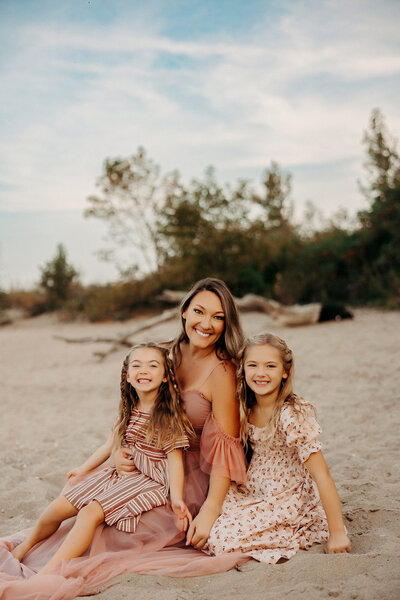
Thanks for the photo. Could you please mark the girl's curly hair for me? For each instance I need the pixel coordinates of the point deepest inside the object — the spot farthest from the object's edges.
(168, 419)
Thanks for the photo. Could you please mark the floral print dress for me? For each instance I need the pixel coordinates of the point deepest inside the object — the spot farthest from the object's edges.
(277, 511)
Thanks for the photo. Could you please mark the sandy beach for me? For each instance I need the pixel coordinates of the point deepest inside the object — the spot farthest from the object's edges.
(58, 402)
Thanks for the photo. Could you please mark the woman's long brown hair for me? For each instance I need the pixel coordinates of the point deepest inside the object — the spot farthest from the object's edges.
(231, 340)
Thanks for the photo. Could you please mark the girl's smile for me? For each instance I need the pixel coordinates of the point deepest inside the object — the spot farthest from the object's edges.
(263, 369)
(146, 369)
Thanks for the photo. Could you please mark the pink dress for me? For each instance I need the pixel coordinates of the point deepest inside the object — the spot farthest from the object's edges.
(277, 511)
(157, 546)
(124, 499)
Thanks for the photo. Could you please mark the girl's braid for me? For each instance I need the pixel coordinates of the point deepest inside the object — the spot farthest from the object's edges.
(241, 393)
(125, 405)
(171, 373)
(125, 408)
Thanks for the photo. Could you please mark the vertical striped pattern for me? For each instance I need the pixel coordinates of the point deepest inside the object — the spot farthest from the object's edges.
(124, 499)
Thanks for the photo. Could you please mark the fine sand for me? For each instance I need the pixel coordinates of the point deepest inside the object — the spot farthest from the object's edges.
(58, 402)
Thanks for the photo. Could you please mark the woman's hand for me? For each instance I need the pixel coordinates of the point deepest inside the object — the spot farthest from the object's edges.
(182, 512)
(337, 543)
(200, 527)
(123, 461)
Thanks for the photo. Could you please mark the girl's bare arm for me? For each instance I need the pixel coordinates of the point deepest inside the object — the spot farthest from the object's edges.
(176, 485)
(97, 458)
(338, 539)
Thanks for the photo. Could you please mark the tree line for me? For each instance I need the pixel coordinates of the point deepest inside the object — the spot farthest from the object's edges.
(163, 233)
(181, 233)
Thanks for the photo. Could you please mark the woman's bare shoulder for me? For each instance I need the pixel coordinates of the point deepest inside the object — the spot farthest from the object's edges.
(225, 367)
(224, 373)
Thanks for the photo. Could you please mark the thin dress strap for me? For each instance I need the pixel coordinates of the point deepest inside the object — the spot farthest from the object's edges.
(221, 362)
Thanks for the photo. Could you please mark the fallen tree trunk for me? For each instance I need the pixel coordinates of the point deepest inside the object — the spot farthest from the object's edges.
(285, 316)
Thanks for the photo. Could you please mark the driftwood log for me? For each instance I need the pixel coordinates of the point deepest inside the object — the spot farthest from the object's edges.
(285, 315)
(289, 316)
(127, 339)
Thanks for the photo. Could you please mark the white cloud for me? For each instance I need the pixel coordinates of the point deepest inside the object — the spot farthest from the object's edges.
(299, 91)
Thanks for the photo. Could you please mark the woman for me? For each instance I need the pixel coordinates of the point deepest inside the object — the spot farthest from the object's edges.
(203, 352)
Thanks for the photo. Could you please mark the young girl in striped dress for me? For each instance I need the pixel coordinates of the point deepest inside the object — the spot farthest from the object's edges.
(153, 424)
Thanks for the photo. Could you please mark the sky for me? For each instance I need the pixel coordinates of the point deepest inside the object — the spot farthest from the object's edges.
(231, 84)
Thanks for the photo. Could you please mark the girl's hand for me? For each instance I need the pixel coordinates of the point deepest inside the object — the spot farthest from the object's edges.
(77, 472)
(200, 527)
(123, 461)
(182, 512)
(337, 543)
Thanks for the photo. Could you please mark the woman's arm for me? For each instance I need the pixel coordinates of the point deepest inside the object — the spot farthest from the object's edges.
(97, 458)
(226, 412)
(200, 527)
(338, 540)
(176, 484)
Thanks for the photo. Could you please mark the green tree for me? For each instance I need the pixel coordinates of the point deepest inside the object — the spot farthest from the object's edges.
(57, 277)
(132, 195)
(205, 228)
(356, 262)
(380, 234)
(276, 204)
(383, 161)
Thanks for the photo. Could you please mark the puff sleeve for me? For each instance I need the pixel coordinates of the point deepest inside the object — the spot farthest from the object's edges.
(221, 453)
(300, 429)
(181, 442)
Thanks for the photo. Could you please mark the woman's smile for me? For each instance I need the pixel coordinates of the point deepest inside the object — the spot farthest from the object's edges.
(202, 333)
(204, 319)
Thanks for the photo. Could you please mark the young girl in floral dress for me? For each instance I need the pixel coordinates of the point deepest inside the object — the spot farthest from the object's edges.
(153, 424)
(277, 511)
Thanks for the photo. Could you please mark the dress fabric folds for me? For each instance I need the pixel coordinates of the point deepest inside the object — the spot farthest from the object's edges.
(157, 546)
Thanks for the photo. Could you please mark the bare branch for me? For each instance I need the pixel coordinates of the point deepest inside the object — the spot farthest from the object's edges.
(124, 340)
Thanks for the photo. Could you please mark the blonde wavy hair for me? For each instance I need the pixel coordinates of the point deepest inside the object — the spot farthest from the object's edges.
(246, 396)
(168, 419)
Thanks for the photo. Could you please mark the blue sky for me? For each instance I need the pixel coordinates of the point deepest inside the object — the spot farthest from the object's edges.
(229, 83)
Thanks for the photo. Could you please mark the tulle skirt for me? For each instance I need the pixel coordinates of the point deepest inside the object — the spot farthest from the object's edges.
(157, 546)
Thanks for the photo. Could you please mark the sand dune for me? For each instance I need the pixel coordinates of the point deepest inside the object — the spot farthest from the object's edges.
(58, 403)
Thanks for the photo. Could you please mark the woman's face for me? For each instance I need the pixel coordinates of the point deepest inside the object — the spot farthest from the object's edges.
(204, 319)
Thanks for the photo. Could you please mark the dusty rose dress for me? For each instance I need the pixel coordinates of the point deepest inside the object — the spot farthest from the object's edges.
(157, 546)
(277, 511)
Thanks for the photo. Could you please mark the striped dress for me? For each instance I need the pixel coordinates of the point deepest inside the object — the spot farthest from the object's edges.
(124, 499)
